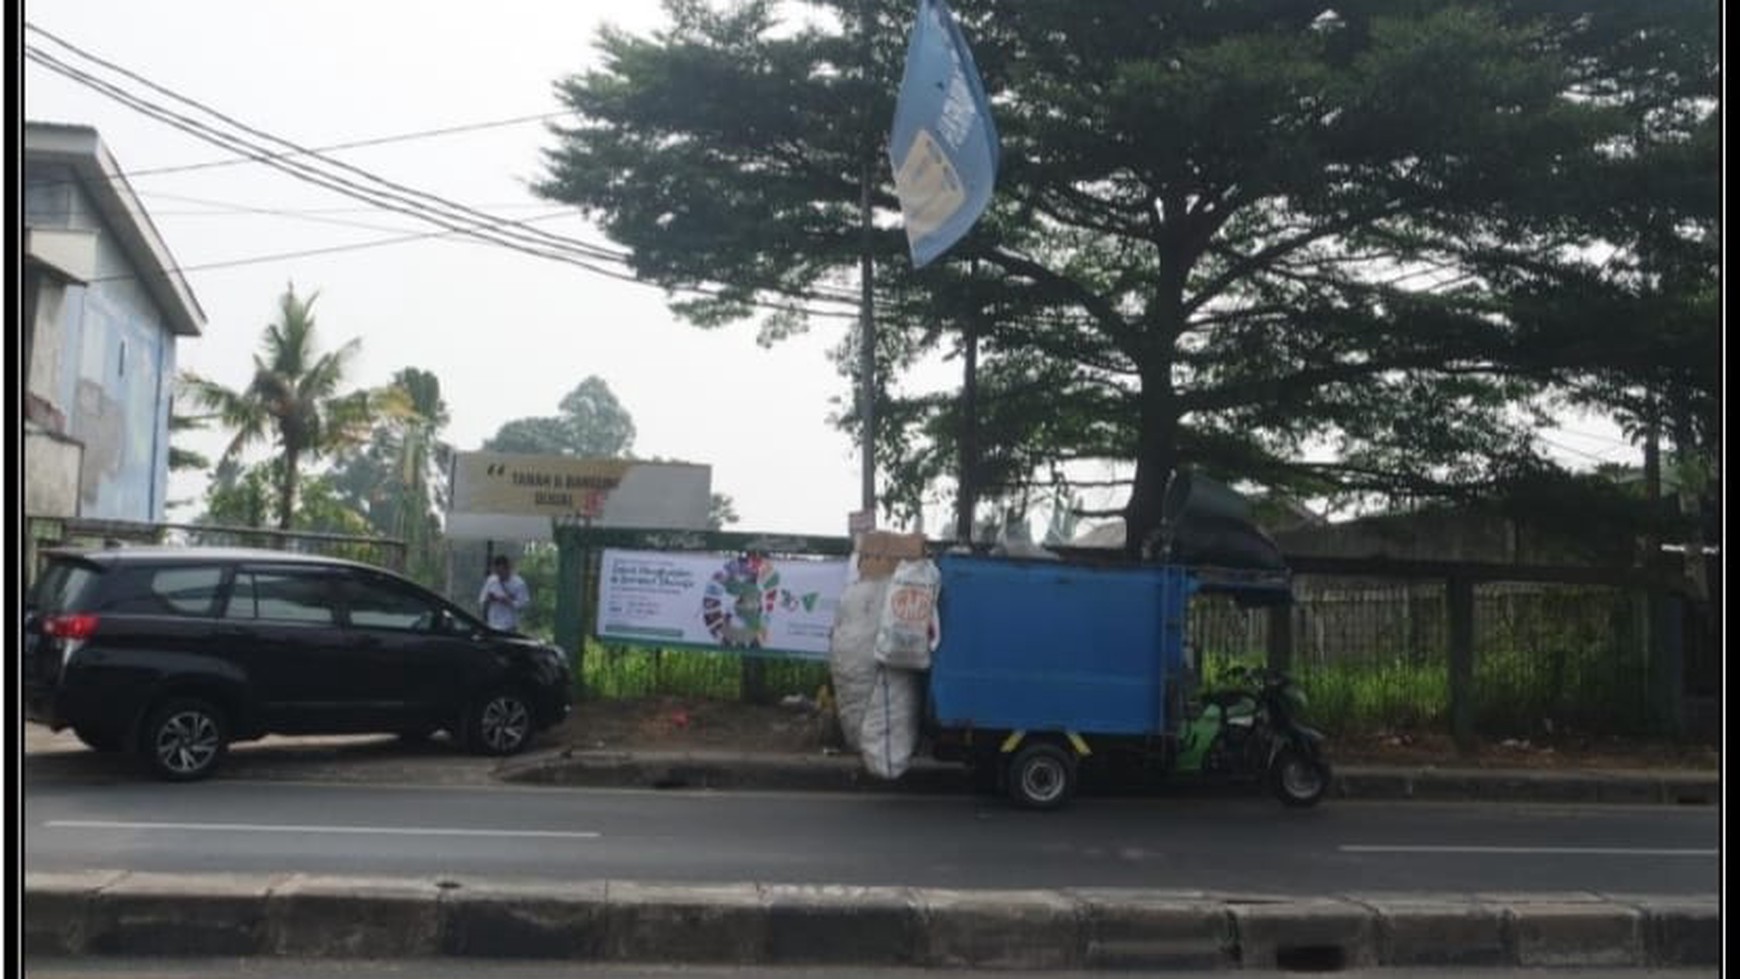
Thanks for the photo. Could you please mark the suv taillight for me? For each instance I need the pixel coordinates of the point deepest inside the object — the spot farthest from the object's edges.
(79, 626)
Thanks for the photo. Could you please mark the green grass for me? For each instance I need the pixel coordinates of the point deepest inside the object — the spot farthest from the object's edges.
(1517, 693)
(614, 671)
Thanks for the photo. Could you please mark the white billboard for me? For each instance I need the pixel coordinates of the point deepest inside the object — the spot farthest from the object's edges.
(503, 496)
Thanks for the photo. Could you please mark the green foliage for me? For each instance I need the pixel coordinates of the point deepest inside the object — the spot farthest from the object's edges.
(537, 565)
(614, 671)
(592, 425)
(721, 511)
(1548, 660)
(398, 477)
(294, 400)
(180, 458)
(1221, 231)
(240, 496)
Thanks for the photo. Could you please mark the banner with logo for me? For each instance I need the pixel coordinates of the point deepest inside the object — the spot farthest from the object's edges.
(943, 145)
(747, 602)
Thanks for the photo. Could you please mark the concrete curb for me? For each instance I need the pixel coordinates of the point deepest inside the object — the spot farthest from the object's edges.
(100, 912)
(725, 770)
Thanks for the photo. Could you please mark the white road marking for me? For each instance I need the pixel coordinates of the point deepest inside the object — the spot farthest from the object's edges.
(372, 830)
(1599, 851)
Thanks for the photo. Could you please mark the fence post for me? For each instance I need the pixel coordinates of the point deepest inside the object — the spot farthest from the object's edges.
(1459, 595)
(1281, 637)
(1667, 653)
(570, 600)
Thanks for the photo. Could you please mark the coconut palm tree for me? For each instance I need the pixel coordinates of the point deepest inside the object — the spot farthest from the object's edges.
(294, 400)
(420, 460)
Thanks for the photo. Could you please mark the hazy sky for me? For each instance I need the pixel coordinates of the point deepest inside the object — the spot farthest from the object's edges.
(508, 334)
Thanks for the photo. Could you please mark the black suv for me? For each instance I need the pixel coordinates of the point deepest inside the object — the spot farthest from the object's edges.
(176, 652)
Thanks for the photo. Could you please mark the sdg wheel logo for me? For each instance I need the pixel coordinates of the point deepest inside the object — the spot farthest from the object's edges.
(738, 600)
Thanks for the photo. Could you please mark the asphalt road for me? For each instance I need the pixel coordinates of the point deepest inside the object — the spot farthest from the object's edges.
(1244, 845)
(127, 968)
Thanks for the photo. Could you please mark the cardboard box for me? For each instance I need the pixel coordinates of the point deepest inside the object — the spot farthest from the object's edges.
(878, 552)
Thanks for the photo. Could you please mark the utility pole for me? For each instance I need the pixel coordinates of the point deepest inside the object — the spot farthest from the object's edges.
(966, 501)
(867, 278)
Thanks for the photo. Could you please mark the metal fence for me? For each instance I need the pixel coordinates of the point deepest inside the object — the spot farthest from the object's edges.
(43, 533)
(618, 671)
(1374, 655)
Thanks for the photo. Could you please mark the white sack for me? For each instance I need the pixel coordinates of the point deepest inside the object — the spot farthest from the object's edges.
(907, 628)
(852, 654)
(890, 732)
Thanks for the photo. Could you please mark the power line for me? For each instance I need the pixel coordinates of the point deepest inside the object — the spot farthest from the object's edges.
(230, 209)
(488, 233)
(453, 217)
(288, 162)
(220, 209)
(358, 144)
(330, 147)
(329, 250)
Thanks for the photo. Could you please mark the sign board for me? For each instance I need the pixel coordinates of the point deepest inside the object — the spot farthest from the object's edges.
(502, 496)
(860, 521)
(744, 602)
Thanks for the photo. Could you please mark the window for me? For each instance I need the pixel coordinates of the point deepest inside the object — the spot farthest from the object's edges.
(62, 587)
(166, 591)
(281, 597)
(381, 604)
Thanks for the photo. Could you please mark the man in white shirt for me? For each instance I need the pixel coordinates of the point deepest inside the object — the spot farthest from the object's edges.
(504, 596)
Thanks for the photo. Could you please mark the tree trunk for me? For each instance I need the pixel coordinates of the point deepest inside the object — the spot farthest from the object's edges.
(1156, 457)
(287, 490)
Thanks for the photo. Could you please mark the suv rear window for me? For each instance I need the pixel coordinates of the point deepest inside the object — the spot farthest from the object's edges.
(175, 590)
(63, 585)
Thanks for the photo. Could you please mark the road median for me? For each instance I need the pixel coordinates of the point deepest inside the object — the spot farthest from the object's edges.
(117, 913)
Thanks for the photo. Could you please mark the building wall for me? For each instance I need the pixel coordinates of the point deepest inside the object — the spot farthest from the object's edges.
(51, 481)
(104, 357)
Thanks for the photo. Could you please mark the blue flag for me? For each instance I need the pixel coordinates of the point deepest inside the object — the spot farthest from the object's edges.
(944, 145)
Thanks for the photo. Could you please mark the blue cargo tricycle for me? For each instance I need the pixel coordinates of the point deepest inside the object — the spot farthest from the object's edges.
(1044, 667)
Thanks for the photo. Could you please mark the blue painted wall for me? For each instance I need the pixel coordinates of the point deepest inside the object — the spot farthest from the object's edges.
(117, 365)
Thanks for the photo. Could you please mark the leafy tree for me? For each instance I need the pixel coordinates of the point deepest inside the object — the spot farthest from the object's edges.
(537, 565)
(180, 458)
(1224, 232)
(239, 496)
(398, 478)
(294, 400)
(592, 424)
(721, 511)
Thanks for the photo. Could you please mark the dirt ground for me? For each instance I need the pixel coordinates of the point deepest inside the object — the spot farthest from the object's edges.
(690, 724)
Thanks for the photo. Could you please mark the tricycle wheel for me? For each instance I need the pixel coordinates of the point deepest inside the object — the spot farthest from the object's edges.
(1041, 776)
(1297, 779)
